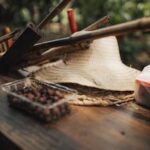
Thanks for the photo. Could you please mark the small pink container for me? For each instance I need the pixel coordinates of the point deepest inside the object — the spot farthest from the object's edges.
(142, 90)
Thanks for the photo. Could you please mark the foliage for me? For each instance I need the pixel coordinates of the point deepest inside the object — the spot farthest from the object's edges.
(21, 12)
(119, 10)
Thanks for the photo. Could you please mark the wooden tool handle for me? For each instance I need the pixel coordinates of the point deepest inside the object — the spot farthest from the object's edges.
(97, 24)
(115, 30)
(53, 13)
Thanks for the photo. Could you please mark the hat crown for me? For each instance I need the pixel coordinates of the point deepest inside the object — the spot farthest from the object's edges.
(104, 50)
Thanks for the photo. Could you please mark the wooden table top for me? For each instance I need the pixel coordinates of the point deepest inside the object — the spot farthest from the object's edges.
(86, 128)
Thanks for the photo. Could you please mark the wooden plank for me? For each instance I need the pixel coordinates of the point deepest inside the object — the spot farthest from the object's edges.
(6, 144)
(87, 128)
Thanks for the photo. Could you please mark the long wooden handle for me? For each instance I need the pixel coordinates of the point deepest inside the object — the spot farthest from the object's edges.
(53, 13)
(114, 30)
(98, 23)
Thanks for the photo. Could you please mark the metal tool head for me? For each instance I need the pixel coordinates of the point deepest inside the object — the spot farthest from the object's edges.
(22, 45)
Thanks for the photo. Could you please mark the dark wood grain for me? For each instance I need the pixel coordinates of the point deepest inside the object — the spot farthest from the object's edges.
(6, 144)
(86, 128)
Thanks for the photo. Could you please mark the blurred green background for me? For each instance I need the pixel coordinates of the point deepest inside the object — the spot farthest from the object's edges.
(134, 48)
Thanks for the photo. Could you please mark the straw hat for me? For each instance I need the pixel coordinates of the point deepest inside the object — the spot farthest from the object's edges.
(99, 66)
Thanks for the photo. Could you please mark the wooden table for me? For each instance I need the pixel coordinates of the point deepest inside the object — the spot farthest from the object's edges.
(86, 128)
